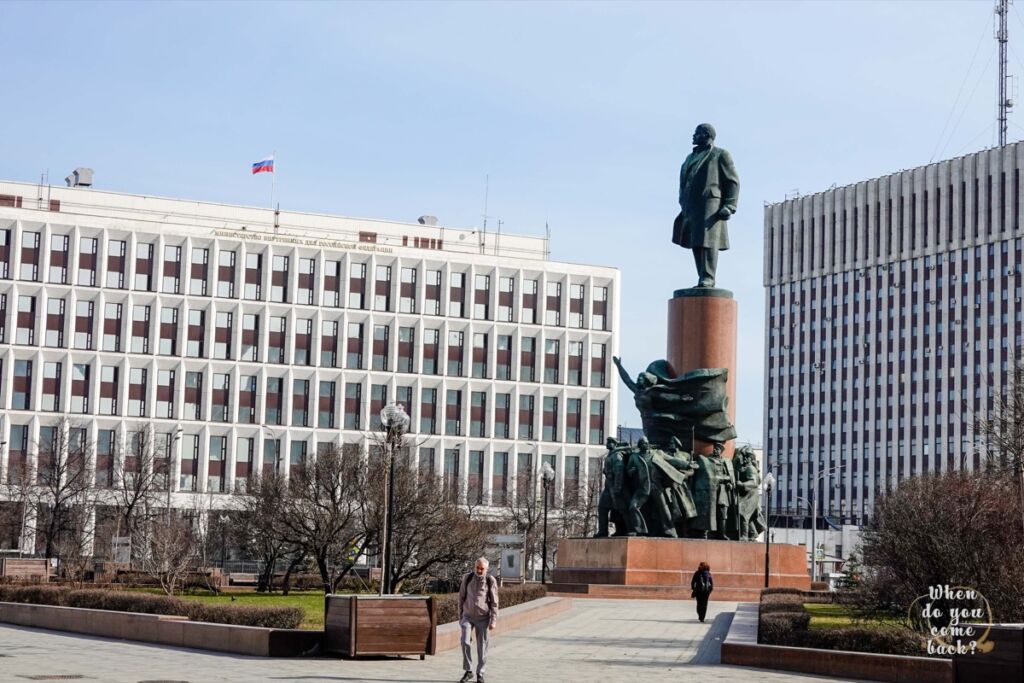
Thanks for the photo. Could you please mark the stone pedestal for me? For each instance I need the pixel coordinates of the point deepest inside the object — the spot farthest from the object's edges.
(662, 567)
(702, 334)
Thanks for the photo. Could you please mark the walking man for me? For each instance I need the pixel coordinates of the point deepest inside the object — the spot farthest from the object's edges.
(478, 613)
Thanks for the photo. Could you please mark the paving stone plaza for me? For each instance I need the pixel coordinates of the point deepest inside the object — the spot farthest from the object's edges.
(595, 641)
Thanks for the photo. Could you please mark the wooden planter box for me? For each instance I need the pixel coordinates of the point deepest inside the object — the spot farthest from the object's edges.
(358, 625)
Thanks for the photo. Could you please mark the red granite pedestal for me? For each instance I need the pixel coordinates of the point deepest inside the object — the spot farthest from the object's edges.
(702, 334)
(637, 567)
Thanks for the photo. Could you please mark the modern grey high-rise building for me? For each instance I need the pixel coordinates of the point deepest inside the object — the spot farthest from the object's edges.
(893, 313)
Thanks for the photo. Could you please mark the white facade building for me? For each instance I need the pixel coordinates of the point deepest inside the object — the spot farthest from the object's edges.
(244, 340)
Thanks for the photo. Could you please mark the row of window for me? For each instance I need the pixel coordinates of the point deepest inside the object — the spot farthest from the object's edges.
(197, 278)
(106, 462)
(209, 396)
(277, 345)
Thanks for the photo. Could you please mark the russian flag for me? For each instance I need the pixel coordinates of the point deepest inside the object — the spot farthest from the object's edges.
(265, 165)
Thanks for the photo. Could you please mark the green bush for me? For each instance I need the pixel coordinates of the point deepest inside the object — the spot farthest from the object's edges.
(447, 605)
(782, 602)
(145, 603)
(783, 628)
(891, 640)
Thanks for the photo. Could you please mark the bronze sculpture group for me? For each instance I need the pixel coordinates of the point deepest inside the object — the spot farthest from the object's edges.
(671, 493)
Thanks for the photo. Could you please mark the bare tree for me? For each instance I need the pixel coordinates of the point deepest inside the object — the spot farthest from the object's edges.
(257, 527)
(62, 476)
(172, 548)
(136, 486)
(1001, 429)
(323, 512)
(525, 512)
(578, 509)
(21, 498)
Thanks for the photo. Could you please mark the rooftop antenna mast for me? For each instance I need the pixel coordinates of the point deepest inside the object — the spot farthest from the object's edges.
(487, 188)
(1005, 103)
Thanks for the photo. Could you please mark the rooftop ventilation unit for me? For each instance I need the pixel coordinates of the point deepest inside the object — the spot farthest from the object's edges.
(80, 177)
(427, 220)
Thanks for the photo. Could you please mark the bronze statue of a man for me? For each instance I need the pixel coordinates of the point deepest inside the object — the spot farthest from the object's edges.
(708, 190)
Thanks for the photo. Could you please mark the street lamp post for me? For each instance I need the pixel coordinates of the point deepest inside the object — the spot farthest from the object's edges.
(548, 476)
(814, 516)
(394, 420)
(769, 482)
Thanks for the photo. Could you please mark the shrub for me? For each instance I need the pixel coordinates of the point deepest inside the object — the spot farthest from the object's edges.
(782, 602)
(145, 603)
(891, 640)
(819, 585)
(447, 605)
(780, 590)
(265, 617)
(783, 628)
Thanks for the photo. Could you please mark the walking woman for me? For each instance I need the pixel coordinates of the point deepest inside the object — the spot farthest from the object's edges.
(702, 585)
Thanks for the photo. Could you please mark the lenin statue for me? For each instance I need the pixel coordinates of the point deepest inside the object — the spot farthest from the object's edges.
(708, 190)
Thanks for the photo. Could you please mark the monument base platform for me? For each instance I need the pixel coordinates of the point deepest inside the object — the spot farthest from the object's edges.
(638, 567)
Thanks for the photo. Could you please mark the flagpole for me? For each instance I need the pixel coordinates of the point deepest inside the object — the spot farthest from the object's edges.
(273, 179)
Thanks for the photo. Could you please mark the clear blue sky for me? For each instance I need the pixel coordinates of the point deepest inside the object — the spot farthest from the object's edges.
(581, 113)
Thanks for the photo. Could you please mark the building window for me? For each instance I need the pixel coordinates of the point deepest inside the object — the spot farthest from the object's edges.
(573, 420)
(575, 377)
(553, 307)
(426, 463)
(140, 329)
(298, 456)
(453, 413)
(250, 337)
(475, 478)
(136, 392)
(480, 355)
(353, 404)
(108, 389)
(526, 416)
(303, 342)
(195, 344)
(597, 422)
(193, 396)
(54, 323)
(245, 452)
(307, 280)
(276, 352)
(451, 474)
(431, 352)
(506, 299)
(455, 354)
(106, 446)
(117, 252)
(217, 455)
(551, 360)
(550, 431)
(432, 293)
(482, 297)
(576, 298)
(428, 411)
(329, 343)
(406, 349)
(597, 365)
(407, 291)
(403, 396)
(325, 417)
(332, 284)
(87, 262)
(59, 259)
(112, 327)
(3, 318)
(599, 315)
(382, 289)
(222, 335)
(357, 286)
(172, 270)
(300, 403)
(247, 399)
(275, 400)
(279, 279)
(457, 295)
(354, 359)
(503, 369)
(226, 274)
(144, 257)
(528, 359)
(199, 271)
(220, 398)
(80, 388)
(21, 398)
(478, 414)
(378, 399)
(503, 416)
(253, 290)
(168, 331)
(381, 334)
(530, 302)
(26, 330)
(30, 256)
(189, 462)
(5, 254)
(499, 478)
(165, 393)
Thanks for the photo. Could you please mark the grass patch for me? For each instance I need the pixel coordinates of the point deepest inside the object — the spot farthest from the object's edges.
(837, 616)
(310, 602)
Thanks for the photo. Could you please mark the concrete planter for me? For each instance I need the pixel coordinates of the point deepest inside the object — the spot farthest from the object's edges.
(358, 625)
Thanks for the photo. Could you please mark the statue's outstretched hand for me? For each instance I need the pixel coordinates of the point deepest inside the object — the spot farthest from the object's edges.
(617, 361)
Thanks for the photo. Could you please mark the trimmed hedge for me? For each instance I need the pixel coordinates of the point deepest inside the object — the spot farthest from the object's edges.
(144, 603)
(447, 605)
